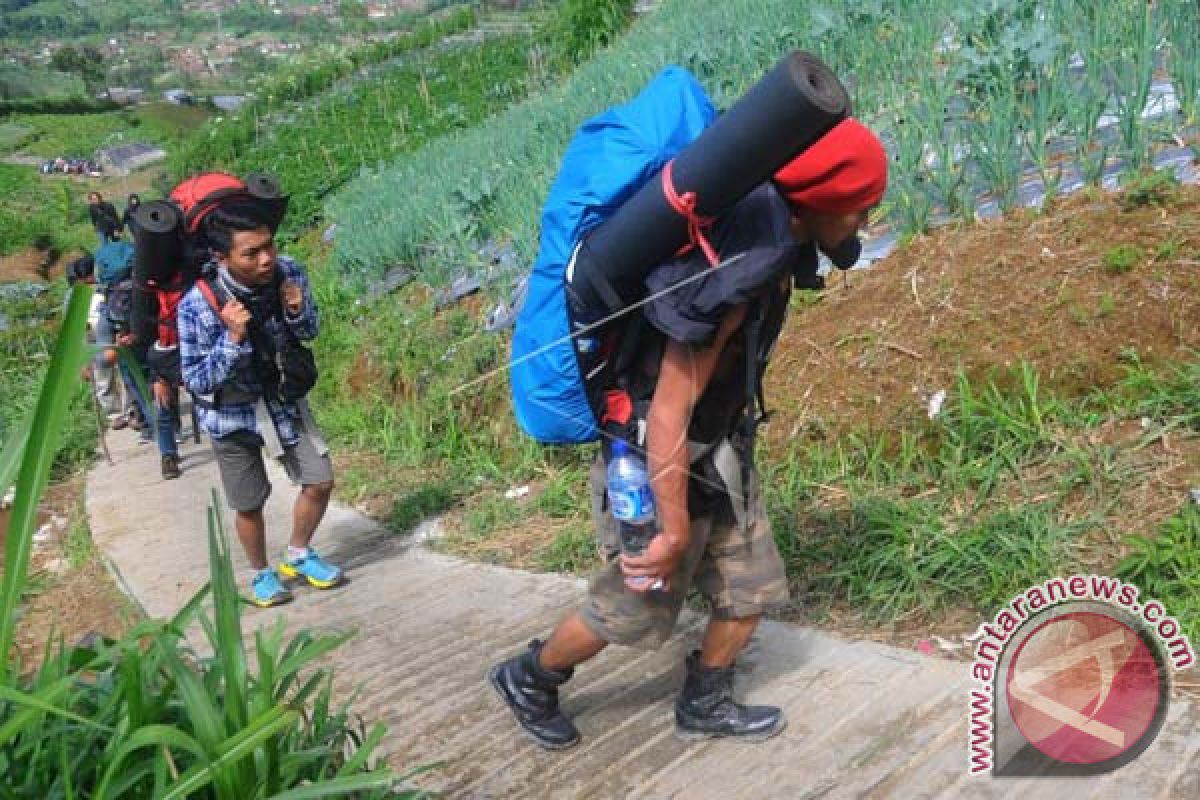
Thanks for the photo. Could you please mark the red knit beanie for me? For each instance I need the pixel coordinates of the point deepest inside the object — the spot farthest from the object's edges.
(843, 172)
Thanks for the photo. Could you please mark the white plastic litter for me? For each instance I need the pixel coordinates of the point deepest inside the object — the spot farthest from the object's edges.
(517, 492)
(935, 403)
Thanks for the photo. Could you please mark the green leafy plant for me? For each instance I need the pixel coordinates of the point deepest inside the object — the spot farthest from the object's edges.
(1183, 32)
(1166, 566)
(580, 27)
(1122, 258)
(1149, 188)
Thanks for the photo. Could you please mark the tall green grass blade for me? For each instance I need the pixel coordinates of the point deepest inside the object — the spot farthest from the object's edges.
(40, 703)
(149, 736)
(228, 633)
(237, 747)
(194, 698)
(14, 448)
(184, 616)
(61, 379)
(312, 651)
(340, 786)
(359, 759)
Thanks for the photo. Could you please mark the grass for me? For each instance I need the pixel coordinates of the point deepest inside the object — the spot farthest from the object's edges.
(25, 353)
(1008, 486)
(13, 135)
(80, 135)
(388, 389)
(79, 547)
(1122, 258)
(1166, 566)
(1004, 490)
(35, 212)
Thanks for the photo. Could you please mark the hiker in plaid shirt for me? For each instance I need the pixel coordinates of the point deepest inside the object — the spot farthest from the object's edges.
(257, 293)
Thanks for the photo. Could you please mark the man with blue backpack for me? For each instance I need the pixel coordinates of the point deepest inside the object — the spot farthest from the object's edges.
(684, 369)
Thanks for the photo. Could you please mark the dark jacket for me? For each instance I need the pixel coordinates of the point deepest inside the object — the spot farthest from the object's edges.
(127, 219)
(104, 218)
(757, 229)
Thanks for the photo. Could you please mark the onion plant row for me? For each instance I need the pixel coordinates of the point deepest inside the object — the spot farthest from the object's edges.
(316, 105)
(972, 99)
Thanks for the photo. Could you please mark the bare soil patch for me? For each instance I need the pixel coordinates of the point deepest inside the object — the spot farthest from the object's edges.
(1042, 288)
(70, 594)
(27, 265)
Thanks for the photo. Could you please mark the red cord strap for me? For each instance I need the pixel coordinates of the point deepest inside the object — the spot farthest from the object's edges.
(685, 206)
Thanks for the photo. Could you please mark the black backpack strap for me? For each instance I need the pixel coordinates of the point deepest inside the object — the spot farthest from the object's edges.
(755, 403)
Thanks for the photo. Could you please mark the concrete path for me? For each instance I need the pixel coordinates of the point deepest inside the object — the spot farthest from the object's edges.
(864, 720)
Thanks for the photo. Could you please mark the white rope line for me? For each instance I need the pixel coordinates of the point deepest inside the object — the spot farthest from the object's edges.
(595, 325)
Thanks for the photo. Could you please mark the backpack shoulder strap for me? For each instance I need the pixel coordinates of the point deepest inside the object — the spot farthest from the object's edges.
(210, 295)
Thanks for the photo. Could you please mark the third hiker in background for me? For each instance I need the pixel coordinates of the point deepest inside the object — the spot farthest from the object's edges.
(128, 219)
(105, 220)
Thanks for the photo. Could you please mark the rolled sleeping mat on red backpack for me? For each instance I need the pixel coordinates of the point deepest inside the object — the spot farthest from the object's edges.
(158, 255)
(267, 190)
(793, 106)
(158, 240)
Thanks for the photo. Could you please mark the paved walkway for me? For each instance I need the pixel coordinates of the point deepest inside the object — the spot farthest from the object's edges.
(864, 720)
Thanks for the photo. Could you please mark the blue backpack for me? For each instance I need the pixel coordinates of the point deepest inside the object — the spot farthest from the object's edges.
(114, 275)
(610, 157)
(114, 262)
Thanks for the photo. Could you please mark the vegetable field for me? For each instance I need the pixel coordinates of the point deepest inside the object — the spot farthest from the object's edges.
(974, 99)
(320, 126)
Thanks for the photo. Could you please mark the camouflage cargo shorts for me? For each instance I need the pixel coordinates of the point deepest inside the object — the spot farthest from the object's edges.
(738, 571)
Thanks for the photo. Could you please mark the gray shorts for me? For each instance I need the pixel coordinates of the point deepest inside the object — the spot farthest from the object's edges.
(244, 475)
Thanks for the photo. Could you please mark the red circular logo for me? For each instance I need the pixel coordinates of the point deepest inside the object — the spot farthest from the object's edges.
(1083, 688)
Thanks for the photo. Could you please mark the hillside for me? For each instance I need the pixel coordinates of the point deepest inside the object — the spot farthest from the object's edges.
(1010, 392)
(1080, 292)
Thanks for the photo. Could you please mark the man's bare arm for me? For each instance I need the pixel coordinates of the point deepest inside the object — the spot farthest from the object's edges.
(683, 376)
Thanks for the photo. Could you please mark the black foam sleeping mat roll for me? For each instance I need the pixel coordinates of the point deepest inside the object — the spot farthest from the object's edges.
(267, 190)
(157, 239)
(789, 109)
(263, 186)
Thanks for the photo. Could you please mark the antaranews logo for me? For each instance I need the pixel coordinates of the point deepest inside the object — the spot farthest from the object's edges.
(1073, 678)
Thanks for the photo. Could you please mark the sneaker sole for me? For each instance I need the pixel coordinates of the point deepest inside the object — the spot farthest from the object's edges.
(288, 571)
(274, 601)
(699, 736)
(494, 680)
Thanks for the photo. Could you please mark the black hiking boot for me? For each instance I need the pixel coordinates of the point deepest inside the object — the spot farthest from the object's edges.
(531, 693)
(170, 468)
(706, 708)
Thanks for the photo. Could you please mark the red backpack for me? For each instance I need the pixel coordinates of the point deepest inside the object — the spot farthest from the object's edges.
(170, 244)
(200, 194)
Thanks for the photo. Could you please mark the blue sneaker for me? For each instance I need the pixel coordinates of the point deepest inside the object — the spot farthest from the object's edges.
(314, 569)
(266, 590)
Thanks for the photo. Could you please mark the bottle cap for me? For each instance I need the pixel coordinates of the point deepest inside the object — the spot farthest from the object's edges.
(619, 447)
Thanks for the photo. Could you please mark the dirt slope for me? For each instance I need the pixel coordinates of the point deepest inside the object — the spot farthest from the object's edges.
(1067, 291)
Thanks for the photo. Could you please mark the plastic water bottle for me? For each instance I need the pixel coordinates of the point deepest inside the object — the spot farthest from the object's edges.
(632, 503)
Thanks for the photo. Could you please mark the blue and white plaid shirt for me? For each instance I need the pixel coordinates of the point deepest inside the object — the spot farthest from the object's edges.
(212, 361)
